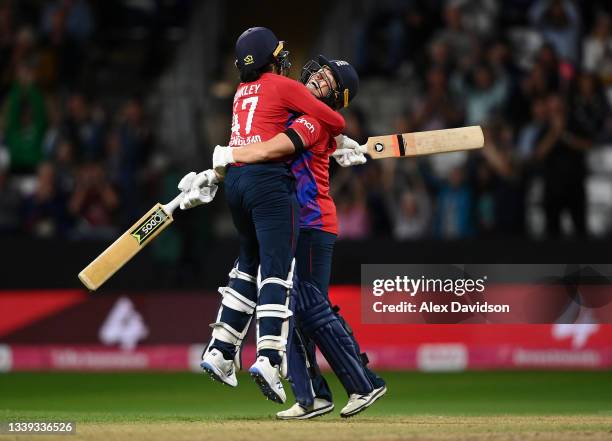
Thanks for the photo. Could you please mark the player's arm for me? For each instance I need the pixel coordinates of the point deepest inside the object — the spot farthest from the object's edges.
(297, 97)
(303, 133)
(279, 146)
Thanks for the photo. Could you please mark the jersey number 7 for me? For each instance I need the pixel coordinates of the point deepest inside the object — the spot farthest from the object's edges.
(252, 103)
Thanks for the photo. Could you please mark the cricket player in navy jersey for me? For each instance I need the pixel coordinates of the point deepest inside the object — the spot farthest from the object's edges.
(265, 212)
(335, 83)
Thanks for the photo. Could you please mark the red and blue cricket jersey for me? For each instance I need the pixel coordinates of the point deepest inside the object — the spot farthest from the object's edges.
(263, 108)
(311, 171)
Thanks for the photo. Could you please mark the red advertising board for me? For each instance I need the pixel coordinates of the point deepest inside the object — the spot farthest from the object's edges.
(72, 330)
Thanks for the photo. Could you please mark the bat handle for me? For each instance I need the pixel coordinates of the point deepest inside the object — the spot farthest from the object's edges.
(173, 204)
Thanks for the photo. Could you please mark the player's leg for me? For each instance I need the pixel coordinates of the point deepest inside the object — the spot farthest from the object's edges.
(317, 250)
(274, 210)
(221, 357)
(301, 372)
(374, 378)
(312, 394)
(304, 373)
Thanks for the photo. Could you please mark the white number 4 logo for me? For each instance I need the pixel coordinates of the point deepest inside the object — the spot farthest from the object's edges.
(123, 326)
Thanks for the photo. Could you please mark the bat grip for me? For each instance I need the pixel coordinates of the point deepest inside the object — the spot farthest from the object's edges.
(173, 204)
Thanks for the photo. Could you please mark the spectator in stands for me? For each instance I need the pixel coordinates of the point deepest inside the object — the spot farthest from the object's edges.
(84, 128)
(588, 106)
(44, 212)
(558, 72)
(559, 23)
(437, 109)
(60, 57)
(541, 80)
(480, 16)
(371, 177)
(454, 34)
(597, 52)
(25, 122)
(65, 165)
(353, 221)
(25, 51)
(94, 202)
(484, 200)
(76, 14)
(439, 57)
(561, 152)
(500, 183)
(499, 58)
(484, 93)
(135, 147)
(530, 133)
(390, 34)
(411, 214)
(10, 202)
(53, 134)
(454, 204)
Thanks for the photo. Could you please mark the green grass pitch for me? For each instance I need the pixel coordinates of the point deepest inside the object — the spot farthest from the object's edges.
(489, 404)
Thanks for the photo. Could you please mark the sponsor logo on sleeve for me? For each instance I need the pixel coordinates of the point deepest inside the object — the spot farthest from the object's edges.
(306, 123)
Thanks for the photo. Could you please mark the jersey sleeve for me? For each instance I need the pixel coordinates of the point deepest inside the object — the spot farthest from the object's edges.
(296, 96)
(310, 130)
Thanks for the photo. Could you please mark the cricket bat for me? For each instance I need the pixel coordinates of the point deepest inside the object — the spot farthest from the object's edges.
(425, 143)
(128, 244)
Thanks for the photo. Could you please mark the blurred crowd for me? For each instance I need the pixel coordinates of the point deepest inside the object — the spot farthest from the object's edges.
(537, 75)
(74, 160)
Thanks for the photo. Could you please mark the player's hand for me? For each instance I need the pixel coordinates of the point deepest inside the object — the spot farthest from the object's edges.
(349, 152)
(344, 143)
(222, 156)
(185, 183)
(203, 179)
(350, 158)
(198, 196)
(348, 143)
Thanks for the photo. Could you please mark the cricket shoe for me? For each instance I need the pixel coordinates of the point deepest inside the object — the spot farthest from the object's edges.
(299, 412)
(268, 379)
(358, 403)
(219, 368)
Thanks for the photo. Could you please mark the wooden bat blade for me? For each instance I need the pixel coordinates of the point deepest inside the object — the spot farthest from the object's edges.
(125, 247)
(425, 143)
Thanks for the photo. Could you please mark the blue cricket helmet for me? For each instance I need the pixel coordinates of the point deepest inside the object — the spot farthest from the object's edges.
(257, 47)
(346, 78)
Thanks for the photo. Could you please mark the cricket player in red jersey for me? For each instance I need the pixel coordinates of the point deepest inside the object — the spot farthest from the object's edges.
(336, 83)
(265, 212)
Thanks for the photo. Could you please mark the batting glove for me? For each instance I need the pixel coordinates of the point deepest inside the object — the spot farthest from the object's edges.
(198, 196)
(349, 152)
(203, 179)
(350, 158)
(197, 189)
(344, 142)
(222, 156)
